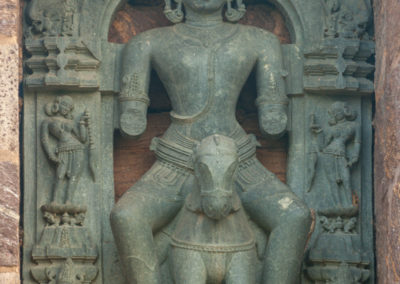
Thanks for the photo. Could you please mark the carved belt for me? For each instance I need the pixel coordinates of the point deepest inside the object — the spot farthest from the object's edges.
(72, 147)
(180, 153)
(334, 152)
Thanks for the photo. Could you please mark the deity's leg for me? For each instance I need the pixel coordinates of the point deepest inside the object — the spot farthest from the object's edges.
(242, 268)
(275, 208)
(76, 165)
(145, 208)
(188, 267)
(330, 166)
(345, 193)
(59, 192)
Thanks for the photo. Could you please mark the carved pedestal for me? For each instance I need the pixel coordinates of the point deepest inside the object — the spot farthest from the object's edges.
(65, 252)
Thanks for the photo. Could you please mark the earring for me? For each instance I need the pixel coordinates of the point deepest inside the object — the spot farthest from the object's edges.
(176, 15)
(234, 15)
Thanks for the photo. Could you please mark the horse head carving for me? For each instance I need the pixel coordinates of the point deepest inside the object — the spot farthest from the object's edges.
(215, 166)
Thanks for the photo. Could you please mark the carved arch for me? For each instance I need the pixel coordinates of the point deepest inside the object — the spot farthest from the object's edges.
(286, 7)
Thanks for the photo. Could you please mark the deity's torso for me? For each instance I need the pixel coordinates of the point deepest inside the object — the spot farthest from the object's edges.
(62, 129)
(203, 71)
(339, 135)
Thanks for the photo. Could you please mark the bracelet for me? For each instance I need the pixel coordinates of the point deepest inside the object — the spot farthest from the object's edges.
(128, 99)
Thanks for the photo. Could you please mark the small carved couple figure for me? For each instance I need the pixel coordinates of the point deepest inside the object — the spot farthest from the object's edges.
(204, 63)
(68, 155)
(337, 150)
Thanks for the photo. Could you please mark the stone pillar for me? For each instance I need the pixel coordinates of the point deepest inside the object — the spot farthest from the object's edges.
(9, 141)
(387, 140)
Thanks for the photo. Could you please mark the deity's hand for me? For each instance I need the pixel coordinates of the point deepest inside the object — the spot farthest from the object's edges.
(54, 158)
(352, 161)
(85, 118)
(133, 118)
(273, 119)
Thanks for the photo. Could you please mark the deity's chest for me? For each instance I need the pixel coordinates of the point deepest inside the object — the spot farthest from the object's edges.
(223, 63)
(343, 131)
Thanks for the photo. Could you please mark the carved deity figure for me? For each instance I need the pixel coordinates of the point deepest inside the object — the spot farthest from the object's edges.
(337, 158)
(59, 19)
(343, 21)
(68, 155)
(333, 8)
(203, 64)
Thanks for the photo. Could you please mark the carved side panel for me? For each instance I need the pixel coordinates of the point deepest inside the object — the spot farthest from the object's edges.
(330, 145)
(63, 190)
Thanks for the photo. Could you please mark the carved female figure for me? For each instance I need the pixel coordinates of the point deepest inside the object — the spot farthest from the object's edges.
(332, 9)
(336, 158)
(68, 155)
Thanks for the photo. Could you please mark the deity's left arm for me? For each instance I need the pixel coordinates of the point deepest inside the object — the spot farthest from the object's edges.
(271, 95)
(135, 78)
(355, 153)
(80, 130)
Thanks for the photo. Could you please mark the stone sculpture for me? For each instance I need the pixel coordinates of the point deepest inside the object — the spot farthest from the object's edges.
(68, 156)
(343, 21)
(65, 252)
(212, 240)
(203, 64)
(338, 151)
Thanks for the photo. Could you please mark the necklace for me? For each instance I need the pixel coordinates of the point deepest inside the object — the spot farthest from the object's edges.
(205, 36)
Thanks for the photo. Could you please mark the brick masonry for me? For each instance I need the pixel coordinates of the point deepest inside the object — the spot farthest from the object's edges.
(9, 141)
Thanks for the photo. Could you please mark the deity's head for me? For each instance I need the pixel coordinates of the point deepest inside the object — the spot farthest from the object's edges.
(203, 7)
(340, 111)
(62, 105)
(215, 165)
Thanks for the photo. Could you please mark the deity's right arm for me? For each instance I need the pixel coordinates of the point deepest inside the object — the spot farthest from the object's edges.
(44, 137)
(135, 77)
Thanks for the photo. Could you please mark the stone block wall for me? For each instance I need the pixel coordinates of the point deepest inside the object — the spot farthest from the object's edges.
(9, 141)
(387, 140)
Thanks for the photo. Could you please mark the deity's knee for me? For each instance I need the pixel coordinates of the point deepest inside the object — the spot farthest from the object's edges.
(298, 215)
(126, 218)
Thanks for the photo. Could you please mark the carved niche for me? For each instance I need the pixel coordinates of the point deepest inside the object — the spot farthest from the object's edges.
(75, 89)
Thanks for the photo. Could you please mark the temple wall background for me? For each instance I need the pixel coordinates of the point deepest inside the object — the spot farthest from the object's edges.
(387, 141)
(10, 72)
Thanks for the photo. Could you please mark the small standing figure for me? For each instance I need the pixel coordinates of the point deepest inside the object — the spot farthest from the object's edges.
(338, 151)
(68, 156)
(333, 11)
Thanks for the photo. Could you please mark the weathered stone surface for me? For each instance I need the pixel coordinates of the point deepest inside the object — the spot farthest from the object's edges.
(387, 140)
(9, 214)
(9, 18)
(9, 142)
(9, 102)
(9, 277)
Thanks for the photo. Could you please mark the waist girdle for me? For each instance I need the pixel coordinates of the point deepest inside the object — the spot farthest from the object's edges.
(181, 155)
